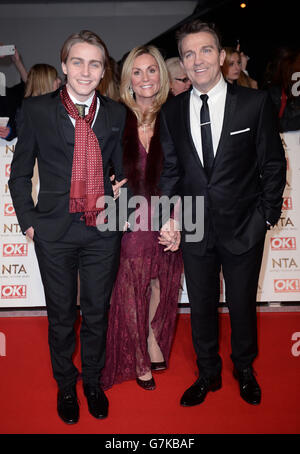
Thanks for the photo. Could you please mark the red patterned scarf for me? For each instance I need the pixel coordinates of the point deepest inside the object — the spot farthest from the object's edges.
(87, 184)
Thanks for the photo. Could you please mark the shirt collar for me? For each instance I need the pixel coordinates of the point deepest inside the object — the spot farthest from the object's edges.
(88, 102)
(217, 89)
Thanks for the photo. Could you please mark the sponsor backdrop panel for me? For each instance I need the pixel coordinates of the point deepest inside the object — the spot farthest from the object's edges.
(280, 272)
(20, 283)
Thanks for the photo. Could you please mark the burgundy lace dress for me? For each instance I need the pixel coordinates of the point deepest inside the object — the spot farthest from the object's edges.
(142, 259)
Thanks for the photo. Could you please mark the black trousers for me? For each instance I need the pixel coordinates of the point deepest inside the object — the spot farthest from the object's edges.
(94, 257)
(241, 274)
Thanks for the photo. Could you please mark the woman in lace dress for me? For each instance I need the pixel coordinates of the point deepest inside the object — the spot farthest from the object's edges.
(144, 301)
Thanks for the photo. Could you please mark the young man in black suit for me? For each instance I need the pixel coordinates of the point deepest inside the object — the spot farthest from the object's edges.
(75, 147)
(221, 142)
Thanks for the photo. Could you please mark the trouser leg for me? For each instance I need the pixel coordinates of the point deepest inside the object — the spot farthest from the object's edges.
(241, 274)
(95, 256)
(202, 275)
(98, 265)
(58, 266)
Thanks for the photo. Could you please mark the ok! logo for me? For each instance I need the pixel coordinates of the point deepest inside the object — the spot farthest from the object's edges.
(9, 209)
(13, 291)
(287, 203)
(15, 250)
(283, 243)
(7, 170)
(286, 285)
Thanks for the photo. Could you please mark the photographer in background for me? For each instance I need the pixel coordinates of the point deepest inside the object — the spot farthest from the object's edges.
(12, 100)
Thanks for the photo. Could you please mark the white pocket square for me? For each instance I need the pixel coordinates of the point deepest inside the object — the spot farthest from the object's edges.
(239, 132)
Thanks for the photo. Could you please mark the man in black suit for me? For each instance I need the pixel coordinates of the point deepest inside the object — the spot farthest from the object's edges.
(221, 143)
(75, 150)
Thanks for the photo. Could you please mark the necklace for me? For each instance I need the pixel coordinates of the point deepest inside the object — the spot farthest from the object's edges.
(146, 136)
(146, 141)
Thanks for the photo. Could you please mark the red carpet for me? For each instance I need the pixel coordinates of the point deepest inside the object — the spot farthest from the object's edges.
(28, 391)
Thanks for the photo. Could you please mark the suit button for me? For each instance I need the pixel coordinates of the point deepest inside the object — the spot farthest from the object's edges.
(208, 186)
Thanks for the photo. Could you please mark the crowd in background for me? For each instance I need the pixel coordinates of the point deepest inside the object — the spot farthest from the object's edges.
(278, 79)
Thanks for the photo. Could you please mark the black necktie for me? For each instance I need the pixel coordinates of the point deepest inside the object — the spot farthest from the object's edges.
(206, 137)
(81, 109)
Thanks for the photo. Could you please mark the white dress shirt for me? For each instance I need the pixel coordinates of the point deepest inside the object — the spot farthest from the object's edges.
(88, 103)
(216, 104)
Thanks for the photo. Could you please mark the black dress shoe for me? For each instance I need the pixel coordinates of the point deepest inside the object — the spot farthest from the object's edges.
(196, 394)
(148, 385)
(156, 367)
(97, 401)
(249, 388)
(67, 405)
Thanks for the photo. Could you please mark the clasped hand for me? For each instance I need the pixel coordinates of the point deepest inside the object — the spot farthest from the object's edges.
(117, 185)
(170, 236)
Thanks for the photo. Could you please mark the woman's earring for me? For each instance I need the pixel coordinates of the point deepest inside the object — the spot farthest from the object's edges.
(131, 91)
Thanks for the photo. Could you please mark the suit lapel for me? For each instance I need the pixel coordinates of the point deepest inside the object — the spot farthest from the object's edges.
(230, 104)
(61, 119)
(102, 123)
(186, 112)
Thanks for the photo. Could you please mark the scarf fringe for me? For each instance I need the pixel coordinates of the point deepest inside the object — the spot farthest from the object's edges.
(78, 206)
(90, 218)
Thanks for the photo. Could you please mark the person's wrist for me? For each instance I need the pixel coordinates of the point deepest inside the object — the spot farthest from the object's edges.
(9, 132)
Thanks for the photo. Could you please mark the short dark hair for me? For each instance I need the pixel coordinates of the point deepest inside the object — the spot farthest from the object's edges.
(84, 36)
(197, 26)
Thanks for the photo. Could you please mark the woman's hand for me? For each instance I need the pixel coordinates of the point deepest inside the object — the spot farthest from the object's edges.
(30, 233)
(117, 185)
(170, 236)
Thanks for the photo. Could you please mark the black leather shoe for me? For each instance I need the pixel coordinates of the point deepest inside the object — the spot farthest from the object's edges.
(97, 401)
(67, 405)
(249, 388)
(148, 385)
(196, 394)
(156, 367)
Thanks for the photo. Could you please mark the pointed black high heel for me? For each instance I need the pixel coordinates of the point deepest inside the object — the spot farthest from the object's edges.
(148, 385)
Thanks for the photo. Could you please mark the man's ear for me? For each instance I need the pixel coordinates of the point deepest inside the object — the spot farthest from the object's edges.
(222, 57)
(64, 68)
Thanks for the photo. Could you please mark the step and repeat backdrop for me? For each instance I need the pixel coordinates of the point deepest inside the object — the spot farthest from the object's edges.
(20, 282)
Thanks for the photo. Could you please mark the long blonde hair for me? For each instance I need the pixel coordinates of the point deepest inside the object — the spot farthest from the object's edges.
(125, 87)
(244, 80)
(40, 80)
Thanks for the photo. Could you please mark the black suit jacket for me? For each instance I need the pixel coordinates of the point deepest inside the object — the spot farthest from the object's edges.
(45, 133)
(248, 177)
(10, 105)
